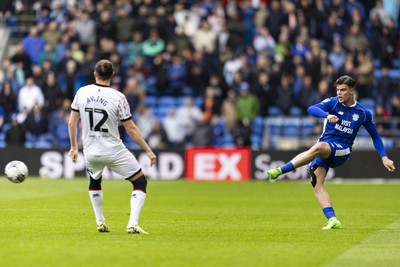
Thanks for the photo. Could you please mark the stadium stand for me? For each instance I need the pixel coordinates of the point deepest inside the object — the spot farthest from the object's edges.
(272, 45)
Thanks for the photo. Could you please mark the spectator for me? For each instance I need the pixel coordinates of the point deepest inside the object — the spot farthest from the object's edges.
(210, 107)
(15, 135)
(276, 18)
(52, 35)
(247, 104)
(264, 92)
(198, 75)
(153, 45)
(70, 80)
(364, 75)
(30, 95)
(337, 55)
(53, 94)
(176, 75)
(285, 99)
(189, 116)
(77, 53)
(48, 54)
(86, 29)
(125, 25)
(173, 128)
(386, 41)
(34, 44)
(385, 87)
(235, 29)
(355, 40)
(204, 134)
(145, 121)
(264, 42)
(8, 101)
(157, 138)
(323, 90)
(37, 124)
(378, 11)
(106, 27)
(134, 94)
(308, 94)
(205, 39)
(134, 47)
(21, 57)
(228, 110)
(382, 120)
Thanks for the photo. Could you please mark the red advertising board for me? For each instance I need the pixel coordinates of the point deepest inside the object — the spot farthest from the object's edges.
(218, 164)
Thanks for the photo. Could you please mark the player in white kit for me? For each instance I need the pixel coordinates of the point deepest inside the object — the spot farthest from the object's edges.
(100, 109)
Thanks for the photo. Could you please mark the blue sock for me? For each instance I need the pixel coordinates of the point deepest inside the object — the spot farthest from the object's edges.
(288, 167)
(329, 212)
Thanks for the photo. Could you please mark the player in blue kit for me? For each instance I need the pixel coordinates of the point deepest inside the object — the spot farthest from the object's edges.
(343, 118)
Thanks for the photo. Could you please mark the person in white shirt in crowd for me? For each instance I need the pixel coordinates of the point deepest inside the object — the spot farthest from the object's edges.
(189, 116)
(29, 95)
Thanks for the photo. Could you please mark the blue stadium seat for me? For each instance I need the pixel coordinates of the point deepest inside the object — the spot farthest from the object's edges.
(274, 126)
(393, 73)
(307, 127)
(228, 140)
(161, 112)
(166, 101)
(2, 140)
(396, 63)
(198, 101)
(274, 111)
(291, 127)
(255, 141)
(295, 112)
(180, 101)
(369, 104)
(257, 125)
(150, 101)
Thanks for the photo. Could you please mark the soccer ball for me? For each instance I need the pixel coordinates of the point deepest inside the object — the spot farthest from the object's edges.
(16, 171)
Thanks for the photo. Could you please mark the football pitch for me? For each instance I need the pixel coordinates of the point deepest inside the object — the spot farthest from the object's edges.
(51, 223)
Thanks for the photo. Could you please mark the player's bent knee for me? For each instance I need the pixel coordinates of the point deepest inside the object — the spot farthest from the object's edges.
(313, 177)
(95, 184)
(140, 183)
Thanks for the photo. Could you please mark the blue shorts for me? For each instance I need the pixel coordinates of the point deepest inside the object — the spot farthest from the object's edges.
(339, 155)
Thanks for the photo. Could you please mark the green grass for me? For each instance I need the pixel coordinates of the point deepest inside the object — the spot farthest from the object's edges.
(51, 223)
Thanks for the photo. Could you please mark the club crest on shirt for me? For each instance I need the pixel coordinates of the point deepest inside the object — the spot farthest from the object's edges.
(355, 117)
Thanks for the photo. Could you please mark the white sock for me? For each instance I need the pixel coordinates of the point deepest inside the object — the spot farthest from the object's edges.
(96, 197)
(137, 201)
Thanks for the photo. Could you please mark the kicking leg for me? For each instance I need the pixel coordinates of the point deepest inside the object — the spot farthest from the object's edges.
(138, 197)
(317, 176)
(321, 149)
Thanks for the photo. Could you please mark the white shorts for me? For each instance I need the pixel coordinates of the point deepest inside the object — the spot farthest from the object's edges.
(123, 163)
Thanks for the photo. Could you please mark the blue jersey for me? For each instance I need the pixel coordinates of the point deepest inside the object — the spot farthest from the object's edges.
(351, 118)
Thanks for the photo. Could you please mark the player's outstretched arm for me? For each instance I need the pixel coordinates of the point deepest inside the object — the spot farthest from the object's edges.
(389, 164)
(136, 136)
(72, 123)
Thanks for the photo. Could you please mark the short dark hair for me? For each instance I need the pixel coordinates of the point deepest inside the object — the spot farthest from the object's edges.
(347, 80)
(104, 69)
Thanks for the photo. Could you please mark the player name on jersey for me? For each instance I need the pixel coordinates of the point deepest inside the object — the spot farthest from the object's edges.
(97, 99)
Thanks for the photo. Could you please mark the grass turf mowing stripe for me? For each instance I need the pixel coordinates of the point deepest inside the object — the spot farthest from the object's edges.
(379, 249)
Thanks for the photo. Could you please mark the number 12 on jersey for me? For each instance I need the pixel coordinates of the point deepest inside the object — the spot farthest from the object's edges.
(97, 127)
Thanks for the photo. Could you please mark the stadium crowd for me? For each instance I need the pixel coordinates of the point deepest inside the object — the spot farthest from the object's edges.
(195, 72)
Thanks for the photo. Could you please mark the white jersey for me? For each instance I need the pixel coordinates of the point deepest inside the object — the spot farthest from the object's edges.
(101, 108)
